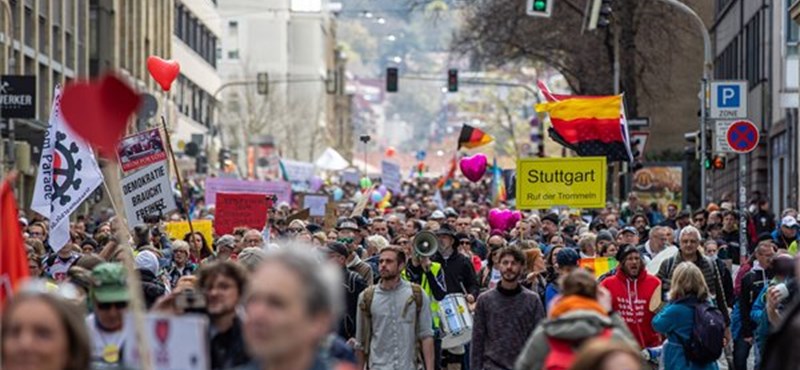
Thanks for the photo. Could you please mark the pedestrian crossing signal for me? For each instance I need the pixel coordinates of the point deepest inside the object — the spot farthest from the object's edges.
(716, 162)
(391, 79)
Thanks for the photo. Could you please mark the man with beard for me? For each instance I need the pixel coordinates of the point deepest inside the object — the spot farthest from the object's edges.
(223, 284)
(635, 295)
(505, 316)
(393, 317)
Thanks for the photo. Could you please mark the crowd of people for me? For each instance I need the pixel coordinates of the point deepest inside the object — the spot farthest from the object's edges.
(424, 284)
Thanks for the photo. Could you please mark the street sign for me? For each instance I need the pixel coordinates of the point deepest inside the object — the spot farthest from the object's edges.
(639, 122)
(742, 136)
(728, 99)
(18, 96)
(721, 137)
(578, 182)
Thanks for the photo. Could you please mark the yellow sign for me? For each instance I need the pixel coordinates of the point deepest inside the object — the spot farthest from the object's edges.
(570, 182)
(179, 229)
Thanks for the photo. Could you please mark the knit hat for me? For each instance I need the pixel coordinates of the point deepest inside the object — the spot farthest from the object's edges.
(626, 250)
(226, 240)
(552, 217)
(146, 260)
(567, 257)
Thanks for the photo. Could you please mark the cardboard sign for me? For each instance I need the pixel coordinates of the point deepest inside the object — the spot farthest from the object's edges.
(147, 193)
(140, 150)
(350, 177)
(281, 189)
(391, 177)
(330, 216)
(316, 204)
(568, 182)
(179, 229)
(362, 203)
(299, 215)
(236, 209)
(176, 342)
(297, 171)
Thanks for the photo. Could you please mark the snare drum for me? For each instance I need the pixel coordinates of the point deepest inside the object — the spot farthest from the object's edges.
(456, 321)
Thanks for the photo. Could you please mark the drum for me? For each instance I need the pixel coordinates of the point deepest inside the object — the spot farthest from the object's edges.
(456, 321)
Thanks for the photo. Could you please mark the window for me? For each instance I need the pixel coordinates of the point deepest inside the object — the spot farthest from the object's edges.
(792, 32)
(753, 54)
(56, 40)
(43, 36)
(233, 28)
(233, 54)
(726, 67)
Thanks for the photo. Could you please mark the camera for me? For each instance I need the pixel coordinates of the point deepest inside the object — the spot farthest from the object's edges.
(364, 138)
(191, 301)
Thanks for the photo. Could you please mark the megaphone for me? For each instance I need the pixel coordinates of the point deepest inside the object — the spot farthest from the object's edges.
(425, 244)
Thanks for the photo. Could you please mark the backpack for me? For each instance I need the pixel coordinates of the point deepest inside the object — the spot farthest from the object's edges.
(366, 314)
(562, 352)
(708, 332)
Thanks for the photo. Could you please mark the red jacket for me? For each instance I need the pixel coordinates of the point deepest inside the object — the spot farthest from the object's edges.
(631, 299)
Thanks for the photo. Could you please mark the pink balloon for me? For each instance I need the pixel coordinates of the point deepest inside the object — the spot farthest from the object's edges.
(499, 220)
(516, 216)
(474, 167)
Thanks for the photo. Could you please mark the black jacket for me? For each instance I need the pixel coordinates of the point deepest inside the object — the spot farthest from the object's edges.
(353, 286)
(227, 349)
(752, 284)
(459, 275)
(152, 288)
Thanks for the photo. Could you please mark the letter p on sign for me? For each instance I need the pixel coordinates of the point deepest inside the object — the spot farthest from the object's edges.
(728, 100)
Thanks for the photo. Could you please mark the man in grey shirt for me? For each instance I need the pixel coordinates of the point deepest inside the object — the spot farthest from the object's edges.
(387, 336)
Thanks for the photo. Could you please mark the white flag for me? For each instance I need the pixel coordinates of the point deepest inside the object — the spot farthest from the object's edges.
(68, 174)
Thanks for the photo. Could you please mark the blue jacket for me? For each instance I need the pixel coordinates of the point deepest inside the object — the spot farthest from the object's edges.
(759, 316)
(676, 321)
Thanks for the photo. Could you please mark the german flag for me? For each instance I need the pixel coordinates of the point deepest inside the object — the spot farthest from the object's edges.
(472, 137)
(591, 126)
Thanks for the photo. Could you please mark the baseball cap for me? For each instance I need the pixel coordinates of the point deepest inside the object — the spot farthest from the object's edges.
(110, 283)
(789, 221)
(226, 240)
(437, 215)
(630, 229)
(567, 257)
(348, 225)
(336, 248)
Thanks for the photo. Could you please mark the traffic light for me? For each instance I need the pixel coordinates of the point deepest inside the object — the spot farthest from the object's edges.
(600, 14)
(718, 163)
(540, 8)
(262, 83)
(452, 80)
(391, 79)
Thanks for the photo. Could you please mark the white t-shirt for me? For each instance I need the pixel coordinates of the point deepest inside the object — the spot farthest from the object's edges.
(106, 346)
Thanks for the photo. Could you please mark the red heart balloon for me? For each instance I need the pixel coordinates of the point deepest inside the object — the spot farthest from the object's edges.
(98, 111)
(163, 71)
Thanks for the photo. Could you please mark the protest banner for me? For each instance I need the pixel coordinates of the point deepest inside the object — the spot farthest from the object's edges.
(147, 193)
(179, 229)
(555, 182)
(391, 177)
(316, 204)
(350, 176)
(297, 171)
(281, 189)
(176, 342)
(140, 150)
(236, 209)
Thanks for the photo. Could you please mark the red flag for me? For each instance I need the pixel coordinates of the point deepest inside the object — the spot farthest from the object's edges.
(451, 173)
(13, 260)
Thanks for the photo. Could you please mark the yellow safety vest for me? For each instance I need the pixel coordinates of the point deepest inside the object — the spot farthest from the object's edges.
(426, 287)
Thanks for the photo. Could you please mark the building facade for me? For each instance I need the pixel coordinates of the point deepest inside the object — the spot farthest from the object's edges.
(756, 41)
(298, 59)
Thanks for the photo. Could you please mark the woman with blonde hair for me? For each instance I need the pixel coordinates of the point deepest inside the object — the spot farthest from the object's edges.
(676, 320)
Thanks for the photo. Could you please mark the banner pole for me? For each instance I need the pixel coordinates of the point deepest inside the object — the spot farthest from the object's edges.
(177, 174)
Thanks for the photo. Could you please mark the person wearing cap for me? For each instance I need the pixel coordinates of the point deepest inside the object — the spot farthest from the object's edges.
(566, 262)
(437, 216)
(549, 227)
(347, 233)
(459, 276)
(786, 238)
(629, 235)
(337, 254)
(110, 297)
(224, 247)
(180, 264)
(635, 294)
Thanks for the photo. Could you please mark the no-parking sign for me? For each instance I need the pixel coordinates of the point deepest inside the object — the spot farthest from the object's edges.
(742, 136)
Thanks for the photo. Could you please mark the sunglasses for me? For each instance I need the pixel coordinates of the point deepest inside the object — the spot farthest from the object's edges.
(107, 306)
(465, 242)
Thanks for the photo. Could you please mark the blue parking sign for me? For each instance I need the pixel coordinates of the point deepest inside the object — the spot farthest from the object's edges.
(728, 100)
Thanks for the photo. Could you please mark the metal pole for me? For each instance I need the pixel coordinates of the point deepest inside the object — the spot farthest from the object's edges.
(708, 65)
(742, 209)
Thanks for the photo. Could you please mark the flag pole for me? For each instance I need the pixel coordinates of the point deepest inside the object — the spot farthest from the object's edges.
(177, 174)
